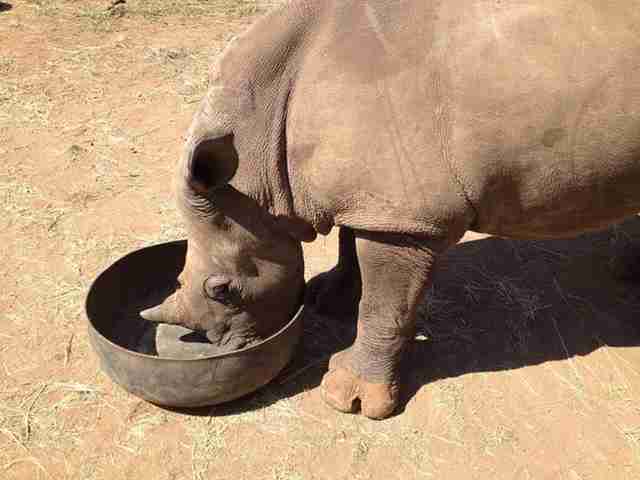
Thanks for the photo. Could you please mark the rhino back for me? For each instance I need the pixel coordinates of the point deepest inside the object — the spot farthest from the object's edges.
(364, 140)
(547, 117)
(513, 118)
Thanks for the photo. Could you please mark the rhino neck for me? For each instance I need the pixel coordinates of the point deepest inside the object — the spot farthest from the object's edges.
(259, 72)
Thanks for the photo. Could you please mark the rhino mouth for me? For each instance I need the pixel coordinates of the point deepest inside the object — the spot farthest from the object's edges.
(195, 336)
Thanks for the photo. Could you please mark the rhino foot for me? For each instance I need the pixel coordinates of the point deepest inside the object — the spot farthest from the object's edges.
(347, 392)
(335, 293)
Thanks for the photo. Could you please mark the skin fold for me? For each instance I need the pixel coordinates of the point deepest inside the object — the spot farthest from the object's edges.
(404, 124)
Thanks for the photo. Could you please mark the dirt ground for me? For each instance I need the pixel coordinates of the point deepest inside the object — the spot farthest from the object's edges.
(526, 364)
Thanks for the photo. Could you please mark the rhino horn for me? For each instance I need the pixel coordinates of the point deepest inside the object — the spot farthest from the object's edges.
(162, 313)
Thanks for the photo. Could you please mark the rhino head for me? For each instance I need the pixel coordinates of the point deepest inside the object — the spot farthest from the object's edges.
(244, 272)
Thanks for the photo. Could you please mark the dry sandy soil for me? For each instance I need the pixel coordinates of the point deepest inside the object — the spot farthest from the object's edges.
(526, 364)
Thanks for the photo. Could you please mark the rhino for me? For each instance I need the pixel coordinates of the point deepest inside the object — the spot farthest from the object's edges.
(403, 124)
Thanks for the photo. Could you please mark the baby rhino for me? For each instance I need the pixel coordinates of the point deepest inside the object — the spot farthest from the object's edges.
(404, 124)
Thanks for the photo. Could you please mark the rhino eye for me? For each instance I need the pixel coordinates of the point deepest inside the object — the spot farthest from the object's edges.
(217, 289)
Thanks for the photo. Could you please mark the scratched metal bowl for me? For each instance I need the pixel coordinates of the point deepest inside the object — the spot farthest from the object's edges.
(116, 331)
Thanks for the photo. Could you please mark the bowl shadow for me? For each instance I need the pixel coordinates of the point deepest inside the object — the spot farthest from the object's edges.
(495, 304)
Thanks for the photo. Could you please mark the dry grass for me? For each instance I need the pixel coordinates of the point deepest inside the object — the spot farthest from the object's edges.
(509, 361)
(105, 14)
(23, 103)
(197, 8)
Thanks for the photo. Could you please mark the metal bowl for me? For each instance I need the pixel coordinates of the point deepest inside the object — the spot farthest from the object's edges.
(116, 331)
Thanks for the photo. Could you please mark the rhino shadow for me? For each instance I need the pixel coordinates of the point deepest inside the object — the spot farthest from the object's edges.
(499, 304)
(495, 304)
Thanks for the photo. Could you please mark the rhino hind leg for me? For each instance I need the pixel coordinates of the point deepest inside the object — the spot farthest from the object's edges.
(336, 293)
(395, 273)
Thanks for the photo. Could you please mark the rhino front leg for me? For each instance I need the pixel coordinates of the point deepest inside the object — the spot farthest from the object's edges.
(395, 271)
(336, 293)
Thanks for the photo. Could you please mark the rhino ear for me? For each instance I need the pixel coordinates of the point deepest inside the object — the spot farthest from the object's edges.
(213, 163)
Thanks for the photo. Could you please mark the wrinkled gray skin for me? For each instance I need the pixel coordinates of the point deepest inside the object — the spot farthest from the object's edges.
(403, 123)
